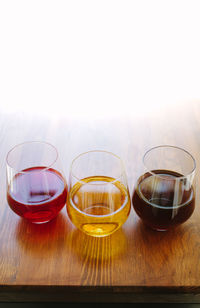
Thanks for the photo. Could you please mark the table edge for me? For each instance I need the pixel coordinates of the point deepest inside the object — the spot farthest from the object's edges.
(103, 294)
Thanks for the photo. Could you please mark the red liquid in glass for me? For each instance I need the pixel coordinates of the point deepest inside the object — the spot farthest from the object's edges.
(37, 194)
(163, 202)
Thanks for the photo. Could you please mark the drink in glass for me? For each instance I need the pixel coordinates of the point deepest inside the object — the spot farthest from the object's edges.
(165, 194)
(99, 201)
(36, 187)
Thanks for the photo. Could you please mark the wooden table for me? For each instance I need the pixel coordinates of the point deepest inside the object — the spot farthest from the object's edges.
(56, 262)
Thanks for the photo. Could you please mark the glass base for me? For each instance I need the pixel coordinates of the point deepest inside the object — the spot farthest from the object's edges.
(159, 230)
(39, 222)
(155, 228)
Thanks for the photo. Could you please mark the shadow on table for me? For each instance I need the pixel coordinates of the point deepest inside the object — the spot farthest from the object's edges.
(42, 240)
(102, 248)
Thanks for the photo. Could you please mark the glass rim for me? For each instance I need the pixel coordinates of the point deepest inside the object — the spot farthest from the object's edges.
(173, 147)
(31, 142)
(123, 173)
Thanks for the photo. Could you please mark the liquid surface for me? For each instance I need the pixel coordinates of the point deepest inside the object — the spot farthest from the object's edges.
(37, 194)
(164, 200)
(98, 209)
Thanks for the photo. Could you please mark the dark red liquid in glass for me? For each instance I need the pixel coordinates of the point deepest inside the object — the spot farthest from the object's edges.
(163, 201)
(37, 194)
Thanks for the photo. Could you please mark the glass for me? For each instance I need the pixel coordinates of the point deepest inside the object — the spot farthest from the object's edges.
(36, 187)
(98, 202)
(164, 196)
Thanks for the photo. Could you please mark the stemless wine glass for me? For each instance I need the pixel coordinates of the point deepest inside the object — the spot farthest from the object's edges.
(36, 187)
(98, 201)
(164, 196)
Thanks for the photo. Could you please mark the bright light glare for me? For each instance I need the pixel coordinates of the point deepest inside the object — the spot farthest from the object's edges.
(98, 57)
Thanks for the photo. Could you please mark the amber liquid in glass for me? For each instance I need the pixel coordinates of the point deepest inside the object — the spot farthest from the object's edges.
(163, 201)
(98, 209)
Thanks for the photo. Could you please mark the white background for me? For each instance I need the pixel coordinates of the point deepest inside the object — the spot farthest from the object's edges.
(88, 58)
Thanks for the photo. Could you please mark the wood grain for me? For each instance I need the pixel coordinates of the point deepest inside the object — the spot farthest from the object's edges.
(57, 262)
